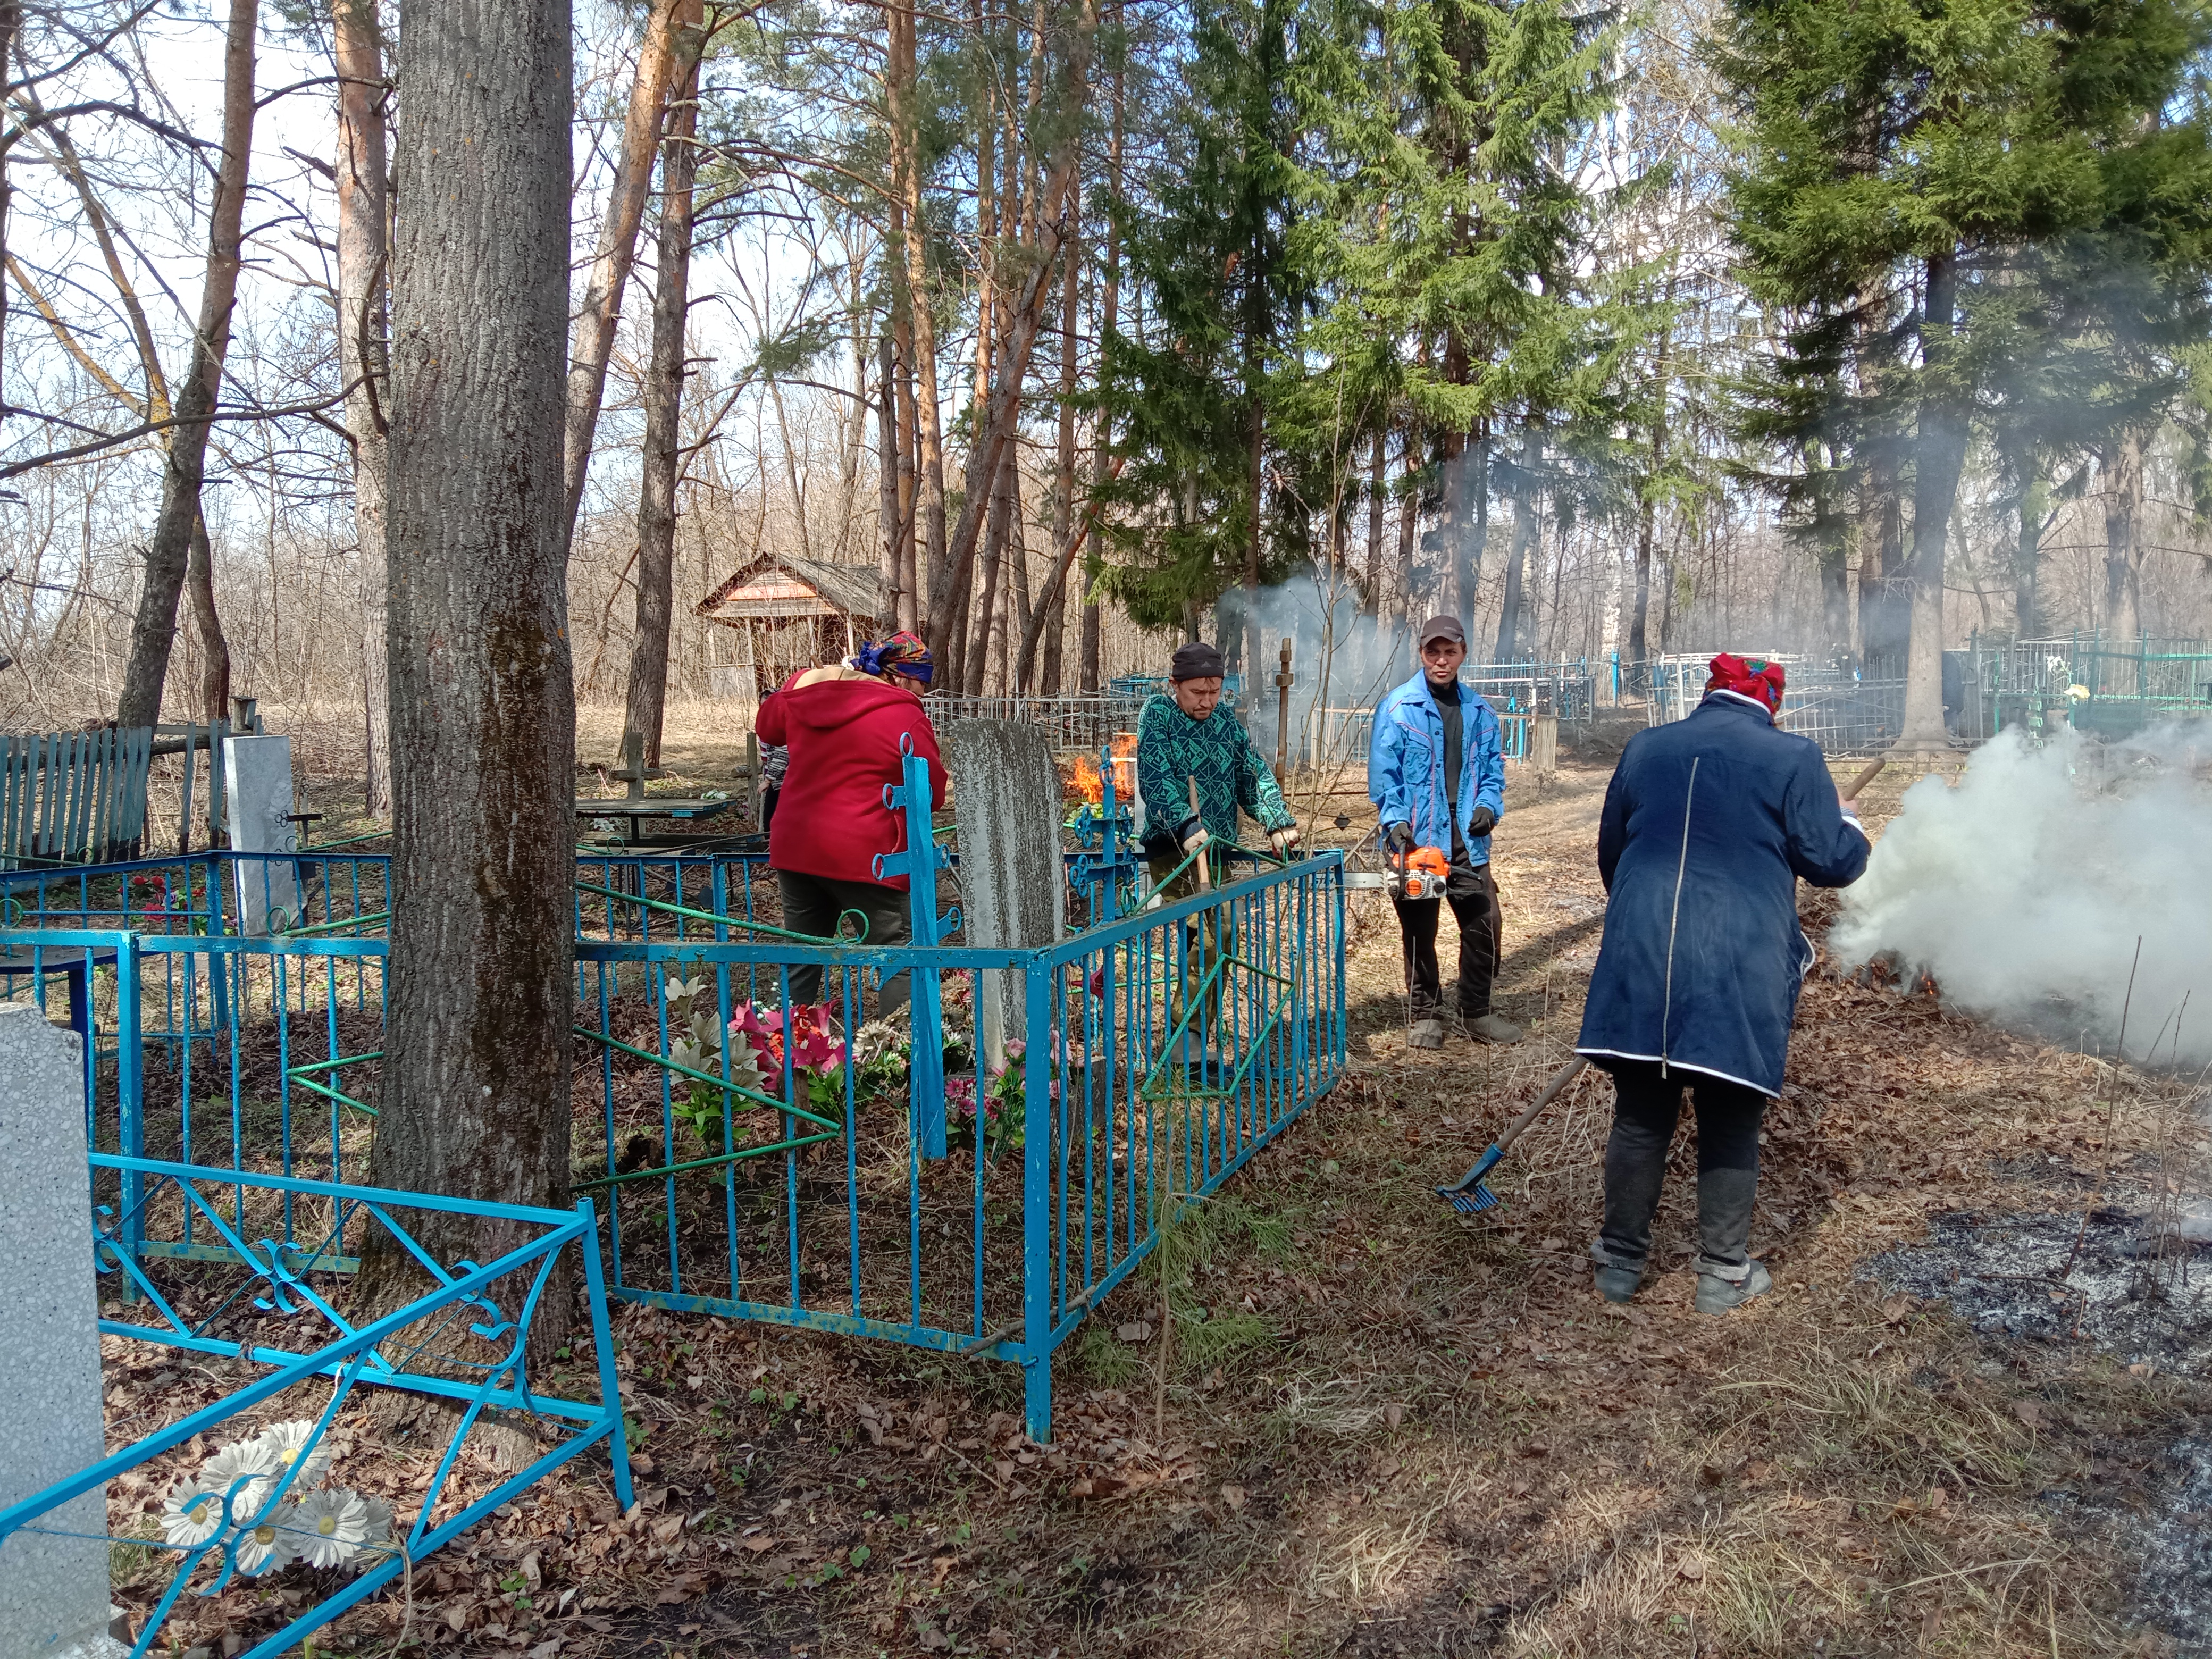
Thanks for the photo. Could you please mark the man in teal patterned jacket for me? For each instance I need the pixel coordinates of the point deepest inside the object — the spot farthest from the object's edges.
(1183, 737)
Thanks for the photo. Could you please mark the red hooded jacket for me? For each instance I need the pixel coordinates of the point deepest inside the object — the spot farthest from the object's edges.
(842, 728)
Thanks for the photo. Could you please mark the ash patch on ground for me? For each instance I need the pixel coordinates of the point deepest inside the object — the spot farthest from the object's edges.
(2139, 1292)
(2136, 1292)
(2175, 1590)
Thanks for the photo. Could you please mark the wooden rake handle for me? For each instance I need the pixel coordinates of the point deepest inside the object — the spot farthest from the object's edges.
(1867, 776)
(1566, 1074)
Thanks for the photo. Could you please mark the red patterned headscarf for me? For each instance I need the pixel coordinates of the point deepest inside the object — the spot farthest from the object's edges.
(1761, 681)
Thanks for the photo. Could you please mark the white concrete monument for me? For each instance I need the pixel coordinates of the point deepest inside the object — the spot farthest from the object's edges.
(53, 1580)
(258, 779)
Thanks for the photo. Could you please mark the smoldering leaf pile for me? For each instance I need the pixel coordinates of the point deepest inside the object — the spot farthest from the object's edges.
(2023, 887)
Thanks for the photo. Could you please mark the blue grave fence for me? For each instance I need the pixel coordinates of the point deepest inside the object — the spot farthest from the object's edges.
(277, 1493)
(942, 1181)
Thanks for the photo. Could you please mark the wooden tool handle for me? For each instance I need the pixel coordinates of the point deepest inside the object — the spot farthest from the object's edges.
(1867, 776)
(1566, 1074)
(1204, 875)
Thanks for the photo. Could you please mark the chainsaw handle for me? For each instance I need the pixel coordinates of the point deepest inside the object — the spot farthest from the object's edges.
(1566, 1074)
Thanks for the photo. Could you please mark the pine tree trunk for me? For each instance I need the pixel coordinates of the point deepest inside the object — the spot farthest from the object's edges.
(888, 568)
(913, 258)
(977, 661)
(363, 165)
(1409, 531)
(1370, 586)
(600, 312)
(2122, 465)
(1941, 455)
(215, 649)
(2027, 560)
(646, 700)
(1063, 509)
(168, 555)
(481, 976)
(1524, 531)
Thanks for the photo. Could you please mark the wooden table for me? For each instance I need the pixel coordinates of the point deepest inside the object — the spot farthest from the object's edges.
(636, 810)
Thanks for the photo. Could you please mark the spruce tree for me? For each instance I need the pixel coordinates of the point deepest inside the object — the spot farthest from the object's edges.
(1934, 157)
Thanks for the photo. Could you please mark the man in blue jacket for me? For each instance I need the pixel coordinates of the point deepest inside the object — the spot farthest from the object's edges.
(1708, 824)
(1436, 775)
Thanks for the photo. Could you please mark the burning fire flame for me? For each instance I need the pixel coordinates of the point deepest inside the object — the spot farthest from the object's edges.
(1087, 783)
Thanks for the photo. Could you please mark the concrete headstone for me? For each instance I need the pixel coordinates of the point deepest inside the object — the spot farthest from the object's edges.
(53, 1582)
(1005, 792)
(258, 773)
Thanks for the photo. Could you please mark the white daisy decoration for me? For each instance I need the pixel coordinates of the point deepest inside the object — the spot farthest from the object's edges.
(294, 1442)
(378, 1539)
(272, 1542)
(252, 1461)
(191, 1514)
(330, 1527)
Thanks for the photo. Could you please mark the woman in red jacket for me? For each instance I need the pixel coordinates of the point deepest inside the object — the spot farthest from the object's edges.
(843, 727)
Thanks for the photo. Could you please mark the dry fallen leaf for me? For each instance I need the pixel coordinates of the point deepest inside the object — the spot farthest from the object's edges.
(1393, 1414)
(1137, 1330)
(1232, 1496)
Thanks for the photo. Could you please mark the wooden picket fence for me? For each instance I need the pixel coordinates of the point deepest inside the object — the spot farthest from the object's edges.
(73, 797)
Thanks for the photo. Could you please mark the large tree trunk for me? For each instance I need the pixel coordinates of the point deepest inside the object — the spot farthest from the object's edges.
(996, 415)
(481, 985)
(1400, 612)
(1378, 491)
(1942, 455)
(363, 162)
(646, 698)
(2122, 465)
(1089, 670)
(215, 649)
(912, 266)
(2028, 556)
(601, 308)
(153, 631)
(1063, 508)
(1524, 531)
(888, 566)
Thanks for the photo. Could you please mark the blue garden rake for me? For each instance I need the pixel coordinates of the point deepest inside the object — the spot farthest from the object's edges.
(1470, 1194)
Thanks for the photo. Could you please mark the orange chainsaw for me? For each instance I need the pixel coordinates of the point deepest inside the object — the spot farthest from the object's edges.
(1421, 873)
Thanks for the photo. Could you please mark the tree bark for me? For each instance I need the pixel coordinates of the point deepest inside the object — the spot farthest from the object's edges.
(646, 698)
(364, 208)
(1942, 455)
(2027, 557)
(481, 985)
(1090, 667)
(997, 415)
(901, 94)
(2122, 464)
(1409, 530)
(600, 312)
(1524, 531)
(977, 661)
(888, 567)
(1063, 506)
(153, 631)
(215, 649)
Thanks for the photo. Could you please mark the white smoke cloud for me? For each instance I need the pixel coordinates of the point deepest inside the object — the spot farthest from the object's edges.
(2024, 889)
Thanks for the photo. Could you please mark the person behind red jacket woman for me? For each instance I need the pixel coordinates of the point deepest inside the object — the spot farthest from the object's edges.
(844, 726)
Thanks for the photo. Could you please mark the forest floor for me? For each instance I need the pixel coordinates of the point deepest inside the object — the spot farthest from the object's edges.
(1428, 1436)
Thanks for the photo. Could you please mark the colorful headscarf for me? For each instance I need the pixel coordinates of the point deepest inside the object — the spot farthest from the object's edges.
(902, 651)
(1761, 681)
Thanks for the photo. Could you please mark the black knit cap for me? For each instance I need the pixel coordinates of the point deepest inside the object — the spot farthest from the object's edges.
(1195, 661)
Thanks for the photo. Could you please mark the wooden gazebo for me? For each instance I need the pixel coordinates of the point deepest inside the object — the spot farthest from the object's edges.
(788, 613)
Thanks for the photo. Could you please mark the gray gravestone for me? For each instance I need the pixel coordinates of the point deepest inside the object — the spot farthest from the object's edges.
(1013, 890)
(53, 1587)
(257, 772)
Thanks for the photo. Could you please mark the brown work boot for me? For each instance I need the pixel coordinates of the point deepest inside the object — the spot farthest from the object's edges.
(1427, 1034)
(1493, 1028)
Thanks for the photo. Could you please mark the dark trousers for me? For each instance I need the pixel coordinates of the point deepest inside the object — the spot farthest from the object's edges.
(1645, 1106)
(812, 904)
(1468, 891)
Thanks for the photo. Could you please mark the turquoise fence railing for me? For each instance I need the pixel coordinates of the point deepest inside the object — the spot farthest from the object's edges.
(278, 1495)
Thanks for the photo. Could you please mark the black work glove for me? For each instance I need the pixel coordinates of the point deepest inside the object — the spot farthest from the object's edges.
(1400, 835)
(1481, 823)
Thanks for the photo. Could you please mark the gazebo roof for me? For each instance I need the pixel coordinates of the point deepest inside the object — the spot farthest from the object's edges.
(777, 586)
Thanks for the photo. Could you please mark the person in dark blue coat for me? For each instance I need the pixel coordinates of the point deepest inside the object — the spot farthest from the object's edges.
(1708, 824)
